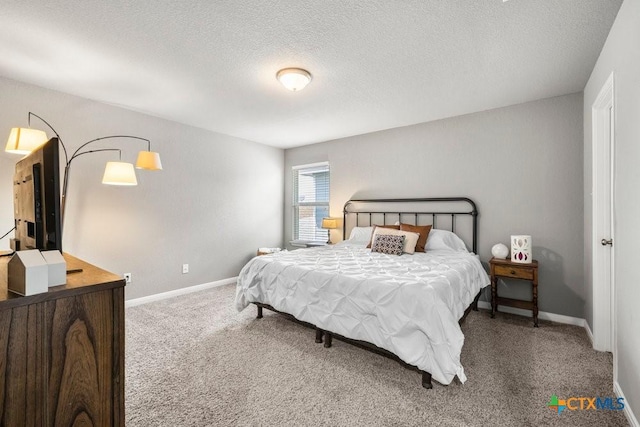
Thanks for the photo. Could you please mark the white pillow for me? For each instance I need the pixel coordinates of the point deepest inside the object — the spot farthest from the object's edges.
(443, 240)
(360, 235)
(410, 238)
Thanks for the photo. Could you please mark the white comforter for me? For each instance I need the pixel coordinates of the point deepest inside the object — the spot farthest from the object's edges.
(409, 304)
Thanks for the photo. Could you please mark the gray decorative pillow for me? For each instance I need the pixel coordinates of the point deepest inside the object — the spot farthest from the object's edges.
(387, 244)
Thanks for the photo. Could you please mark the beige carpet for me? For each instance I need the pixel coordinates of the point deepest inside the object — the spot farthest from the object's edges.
(195, 361)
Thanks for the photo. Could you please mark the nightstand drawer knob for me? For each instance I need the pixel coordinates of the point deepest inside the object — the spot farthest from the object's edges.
(513, 272)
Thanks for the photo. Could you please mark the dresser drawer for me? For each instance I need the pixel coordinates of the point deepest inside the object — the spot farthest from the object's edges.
(515, 272)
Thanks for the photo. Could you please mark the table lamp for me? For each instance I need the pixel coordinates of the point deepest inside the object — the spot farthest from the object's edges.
(330, 224)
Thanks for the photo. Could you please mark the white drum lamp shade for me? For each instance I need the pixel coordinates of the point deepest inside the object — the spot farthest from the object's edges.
(24, 140)
(119, 173)
(521, 249)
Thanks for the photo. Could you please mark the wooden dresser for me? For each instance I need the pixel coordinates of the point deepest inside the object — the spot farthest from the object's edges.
(62, 359)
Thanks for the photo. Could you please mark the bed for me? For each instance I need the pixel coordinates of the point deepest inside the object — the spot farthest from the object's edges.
(407, 307)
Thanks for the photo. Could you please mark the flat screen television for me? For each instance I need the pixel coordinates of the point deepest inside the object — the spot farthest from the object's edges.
(36, 199)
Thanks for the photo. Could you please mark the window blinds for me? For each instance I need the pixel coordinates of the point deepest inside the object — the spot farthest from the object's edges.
(310, 201)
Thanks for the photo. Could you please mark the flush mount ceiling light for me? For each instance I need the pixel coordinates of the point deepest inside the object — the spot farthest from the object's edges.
(294, 79)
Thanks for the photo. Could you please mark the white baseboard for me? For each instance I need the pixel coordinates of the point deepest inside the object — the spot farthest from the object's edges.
(559, 318)
(589, 333)
(178, 292)
(633, 421)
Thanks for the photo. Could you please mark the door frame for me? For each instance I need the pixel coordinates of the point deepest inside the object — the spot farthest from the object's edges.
(602, 273)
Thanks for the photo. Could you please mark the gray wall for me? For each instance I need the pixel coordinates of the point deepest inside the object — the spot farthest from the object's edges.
(621, 54)
(217, 200)
(521, 164)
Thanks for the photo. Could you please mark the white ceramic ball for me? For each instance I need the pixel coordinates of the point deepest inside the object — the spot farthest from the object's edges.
(500, 251)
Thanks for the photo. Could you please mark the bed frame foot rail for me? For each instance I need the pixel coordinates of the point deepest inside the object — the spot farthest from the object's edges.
(426, 380)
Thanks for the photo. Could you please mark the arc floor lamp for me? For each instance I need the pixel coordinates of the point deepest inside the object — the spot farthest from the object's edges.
(25, 140)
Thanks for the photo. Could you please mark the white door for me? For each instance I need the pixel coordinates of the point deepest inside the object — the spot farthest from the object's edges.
(603, 116)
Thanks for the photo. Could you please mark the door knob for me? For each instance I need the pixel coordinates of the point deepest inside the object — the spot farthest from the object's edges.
(606, 242)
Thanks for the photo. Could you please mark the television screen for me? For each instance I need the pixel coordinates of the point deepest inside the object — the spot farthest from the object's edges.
(36, 201)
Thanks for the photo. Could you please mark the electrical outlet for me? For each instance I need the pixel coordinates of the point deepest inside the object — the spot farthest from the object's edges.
(127, 277)
(185, 268)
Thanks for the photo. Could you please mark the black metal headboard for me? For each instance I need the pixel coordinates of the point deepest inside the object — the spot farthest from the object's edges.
(424, 211)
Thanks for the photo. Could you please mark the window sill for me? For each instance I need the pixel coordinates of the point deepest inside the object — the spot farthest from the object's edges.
(307, 243)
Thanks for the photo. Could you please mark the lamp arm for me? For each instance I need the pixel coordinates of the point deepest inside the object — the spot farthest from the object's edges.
(64, 148)
(76, 155)
(78, 151)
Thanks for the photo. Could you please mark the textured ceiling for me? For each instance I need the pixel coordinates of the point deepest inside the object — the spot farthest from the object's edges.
(376, 64)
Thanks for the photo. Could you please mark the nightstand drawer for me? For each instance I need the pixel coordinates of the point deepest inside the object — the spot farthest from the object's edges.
(515, 272)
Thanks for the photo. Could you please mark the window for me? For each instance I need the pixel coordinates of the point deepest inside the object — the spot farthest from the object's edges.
(310, 201)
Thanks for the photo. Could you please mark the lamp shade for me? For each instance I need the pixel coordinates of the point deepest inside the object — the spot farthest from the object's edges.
(330, 223)
(294, 79)
(149, 160)
(119, 173)
(25, 140)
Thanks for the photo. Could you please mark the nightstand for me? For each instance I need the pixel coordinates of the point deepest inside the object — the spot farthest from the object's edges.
(513, 270)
